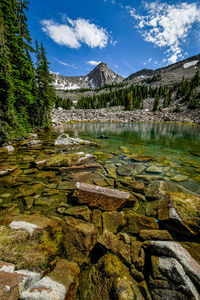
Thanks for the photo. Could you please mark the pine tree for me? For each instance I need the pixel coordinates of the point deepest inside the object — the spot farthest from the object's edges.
(46, 95)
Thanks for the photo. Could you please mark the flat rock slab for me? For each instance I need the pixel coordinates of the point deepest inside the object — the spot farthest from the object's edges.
(101, 197)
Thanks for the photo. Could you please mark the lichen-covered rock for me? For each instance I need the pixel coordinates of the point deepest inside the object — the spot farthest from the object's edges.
(101, 197)
(113, 221)
(135, 223)
(79, 239)
(146, 234)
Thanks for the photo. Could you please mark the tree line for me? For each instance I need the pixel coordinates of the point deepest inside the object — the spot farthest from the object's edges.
(26, 94)
(133, 97)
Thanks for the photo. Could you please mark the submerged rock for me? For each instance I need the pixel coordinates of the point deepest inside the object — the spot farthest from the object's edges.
(113, 221)
(80, 212)
(101, 197)
(65, 140)
(179, 178)
(111, 170)
(154, 170)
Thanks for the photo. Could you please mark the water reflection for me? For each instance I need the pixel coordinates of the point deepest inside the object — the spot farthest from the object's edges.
(181, 136)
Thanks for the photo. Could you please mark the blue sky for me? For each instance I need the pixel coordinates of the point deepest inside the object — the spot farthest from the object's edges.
(128, 35)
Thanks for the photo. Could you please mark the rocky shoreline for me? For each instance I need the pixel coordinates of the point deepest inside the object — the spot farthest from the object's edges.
(118, 114)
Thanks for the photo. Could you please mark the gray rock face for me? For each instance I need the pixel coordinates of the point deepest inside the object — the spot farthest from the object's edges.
(175, 250)
(99, 77)
(170, 281)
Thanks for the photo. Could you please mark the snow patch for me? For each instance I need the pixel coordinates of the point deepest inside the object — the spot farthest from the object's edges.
(190, 64)
(92, 85)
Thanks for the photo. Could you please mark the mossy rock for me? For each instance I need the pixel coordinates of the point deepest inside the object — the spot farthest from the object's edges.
(25, 251)
(109, 279)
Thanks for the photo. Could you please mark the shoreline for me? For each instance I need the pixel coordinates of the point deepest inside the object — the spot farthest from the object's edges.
(118, 114)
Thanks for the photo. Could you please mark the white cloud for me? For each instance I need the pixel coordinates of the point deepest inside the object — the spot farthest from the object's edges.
(66, 64)
(75, 33)
(147, 61)
(93, 62)
(167, 26)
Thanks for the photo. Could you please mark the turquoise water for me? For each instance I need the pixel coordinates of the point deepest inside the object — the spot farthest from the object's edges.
(172, 146)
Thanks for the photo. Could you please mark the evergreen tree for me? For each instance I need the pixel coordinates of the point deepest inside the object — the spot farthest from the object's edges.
(46, 95)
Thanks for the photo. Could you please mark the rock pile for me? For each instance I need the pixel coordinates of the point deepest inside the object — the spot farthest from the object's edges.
(118, 114)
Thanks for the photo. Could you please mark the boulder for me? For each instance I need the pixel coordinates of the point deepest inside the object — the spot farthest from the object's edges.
(113, 244)
(180, 212)
(176, 251)
(158, 190)
(79, 239)
(146, 234)
(65, 140)
(125, 170)
(113, 221)
(170, 281)
(154, 170)
(135, 223)
(101, 197)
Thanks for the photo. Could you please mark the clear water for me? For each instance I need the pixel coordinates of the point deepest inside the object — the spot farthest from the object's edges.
(175, 146)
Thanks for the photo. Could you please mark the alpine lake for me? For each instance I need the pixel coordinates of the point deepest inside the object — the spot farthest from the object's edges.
(40, 178)
(126, 151)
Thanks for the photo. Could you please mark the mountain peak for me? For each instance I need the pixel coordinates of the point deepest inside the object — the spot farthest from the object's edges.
(102, 75)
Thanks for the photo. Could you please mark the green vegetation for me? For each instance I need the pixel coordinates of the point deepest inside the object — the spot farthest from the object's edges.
(64, 103)
(26, 95)
(132, 97)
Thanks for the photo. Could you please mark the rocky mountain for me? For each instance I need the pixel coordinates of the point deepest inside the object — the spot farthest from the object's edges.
(167, 75)
(100, 76)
